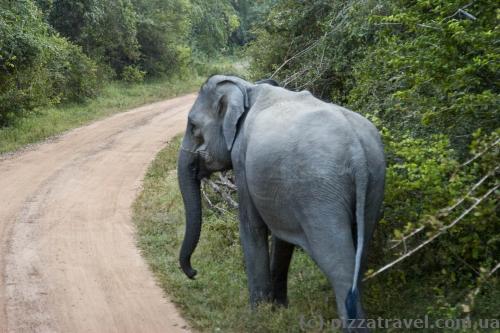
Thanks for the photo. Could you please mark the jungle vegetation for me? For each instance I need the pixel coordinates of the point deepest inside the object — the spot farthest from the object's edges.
(66, 51)
(427, 74)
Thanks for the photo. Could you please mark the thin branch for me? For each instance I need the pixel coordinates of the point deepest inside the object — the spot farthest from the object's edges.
(494, 269)
(205, 196)
(439, 233)
(295, 76)
(471, 296)
(405, 238)
(225, 195)
(473, 188)
(428, 26)
(298, 54)
(459, 11)
(313, 44)
(224, 180)
(466, 14)
(475, 157)
(444, 210)
(388, 23)
(465, 263)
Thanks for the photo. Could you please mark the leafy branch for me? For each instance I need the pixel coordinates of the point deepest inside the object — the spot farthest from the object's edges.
(444, 211)
(441, 231)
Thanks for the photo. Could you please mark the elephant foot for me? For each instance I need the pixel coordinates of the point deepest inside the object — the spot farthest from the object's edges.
(279, 299)
(260, 298)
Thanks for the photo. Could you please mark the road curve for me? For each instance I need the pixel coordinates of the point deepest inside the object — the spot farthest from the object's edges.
(68, 258)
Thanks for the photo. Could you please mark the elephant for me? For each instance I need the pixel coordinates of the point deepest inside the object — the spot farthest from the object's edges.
(308, 173)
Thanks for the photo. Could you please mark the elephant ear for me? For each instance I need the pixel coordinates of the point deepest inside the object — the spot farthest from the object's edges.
(234, 104)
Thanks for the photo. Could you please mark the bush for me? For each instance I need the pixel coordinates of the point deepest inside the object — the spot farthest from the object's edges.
(106, 30)
(314, 44)
(432, 70)
(162, 34)
(22, 54)
(132, 74)
(75, 76)
(37, 67)
(213, 23)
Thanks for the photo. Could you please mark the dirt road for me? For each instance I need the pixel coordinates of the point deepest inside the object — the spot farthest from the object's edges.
(68, 258)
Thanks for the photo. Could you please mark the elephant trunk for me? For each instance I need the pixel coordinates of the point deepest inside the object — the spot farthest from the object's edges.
(190, 189)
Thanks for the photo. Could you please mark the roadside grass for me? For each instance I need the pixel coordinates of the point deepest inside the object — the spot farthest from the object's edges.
(115, 97)
(217, 300)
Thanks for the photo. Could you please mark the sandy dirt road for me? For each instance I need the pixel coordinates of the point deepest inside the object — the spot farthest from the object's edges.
(68, 258)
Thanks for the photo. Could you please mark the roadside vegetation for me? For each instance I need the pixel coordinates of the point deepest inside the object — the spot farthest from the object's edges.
(66, 62)
(115, 97)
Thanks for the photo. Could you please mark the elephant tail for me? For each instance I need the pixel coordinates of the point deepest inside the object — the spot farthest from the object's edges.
(361, 185)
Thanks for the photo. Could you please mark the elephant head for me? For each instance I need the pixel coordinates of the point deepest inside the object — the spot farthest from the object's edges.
(206, 148)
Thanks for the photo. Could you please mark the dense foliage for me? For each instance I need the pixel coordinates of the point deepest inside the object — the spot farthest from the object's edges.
(213, 23)
(426, 72)
(162, 31)
(37, 67)
(60, 50)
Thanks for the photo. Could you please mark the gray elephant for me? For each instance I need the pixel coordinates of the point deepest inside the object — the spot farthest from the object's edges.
(308, 172)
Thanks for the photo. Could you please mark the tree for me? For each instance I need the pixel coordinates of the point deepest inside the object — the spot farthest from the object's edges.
(162, 34)
(213, 23)
(106, 29)
(37, 67)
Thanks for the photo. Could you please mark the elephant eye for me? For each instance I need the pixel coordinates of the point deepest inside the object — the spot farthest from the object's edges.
(195, 131)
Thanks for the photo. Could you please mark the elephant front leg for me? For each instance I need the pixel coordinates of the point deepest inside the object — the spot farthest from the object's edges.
(253, 233)
(281, 255)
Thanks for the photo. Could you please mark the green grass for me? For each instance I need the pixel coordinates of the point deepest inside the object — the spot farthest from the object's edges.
(217, 300)
(114, 98)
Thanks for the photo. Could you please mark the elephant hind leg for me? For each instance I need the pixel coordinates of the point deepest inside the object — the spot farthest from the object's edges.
(281, 255)
(332, 247)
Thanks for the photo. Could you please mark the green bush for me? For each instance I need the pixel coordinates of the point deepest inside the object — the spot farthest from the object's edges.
(213, 23)
(430, 79)
(132, 74)
(149, 35)
(75, 77)
(162, 34)
(22, 77)
(106, 30)
(37, 67)
(314, 44)
(432, 70)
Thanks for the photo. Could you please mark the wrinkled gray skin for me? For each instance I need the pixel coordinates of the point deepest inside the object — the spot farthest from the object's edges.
(308, 172)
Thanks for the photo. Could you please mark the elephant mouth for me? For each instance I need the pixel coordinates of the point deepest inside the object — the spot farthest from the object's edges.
(202, 173)
(207, 164)
(201, 162)
(203, 169)
(205, 156)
